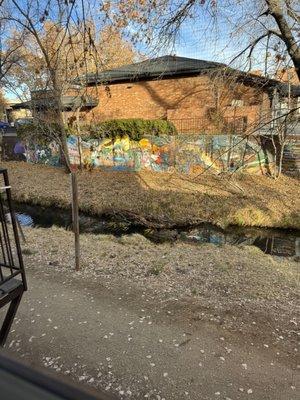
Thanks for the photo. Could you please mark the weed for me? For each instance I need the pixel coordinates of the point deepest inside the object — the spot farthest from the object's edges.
(157, 269)
(28, 252)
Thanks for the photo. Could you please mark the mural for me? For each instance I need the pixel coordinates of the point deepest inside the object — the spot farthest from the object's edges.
(182, 153)
(219, 153)
(123, 154)
(49, 155)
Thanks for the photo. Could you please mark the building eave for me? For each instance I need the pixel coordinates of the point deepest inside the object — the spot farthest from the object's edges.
(174, 67)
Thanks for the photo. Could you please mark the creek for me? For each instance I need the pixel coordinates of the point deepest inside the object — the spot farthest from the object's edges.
(277, 242)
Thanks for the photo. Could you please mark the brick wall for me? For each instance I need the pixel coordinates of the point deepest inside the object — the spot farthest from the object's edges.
(178, 99)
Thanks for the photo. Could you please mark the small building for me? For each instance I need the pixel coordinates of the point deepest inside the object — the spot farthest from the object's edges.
(42, 106)
(15, 110)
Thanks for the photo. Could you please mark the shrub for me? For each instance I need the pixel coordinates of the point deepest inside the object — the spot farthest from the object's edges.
(136, 129)
(38, 132)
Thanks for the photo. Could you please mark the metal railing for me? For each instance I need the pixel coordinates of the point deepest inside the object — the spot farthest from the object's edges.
(12, 273)
(228, 125)
(11, 261)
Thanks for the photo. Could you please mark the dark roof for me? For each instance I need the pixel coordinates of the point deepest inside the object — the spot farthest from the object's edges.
(267, 84)
(174, 66)
(161, 67)
(17, 106)
(68, 103)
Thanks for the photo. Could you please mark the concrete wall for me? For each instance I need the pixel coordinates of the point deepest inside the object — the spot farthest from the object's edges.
(185, 154)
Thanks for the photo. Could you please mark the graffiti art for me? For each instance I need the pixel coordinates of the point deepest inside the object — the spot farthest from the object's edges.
(183, 153)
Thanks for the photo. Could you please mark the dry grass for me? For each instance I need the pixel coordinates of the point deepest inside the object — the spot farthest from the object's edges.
(165, 199)
(221, 273)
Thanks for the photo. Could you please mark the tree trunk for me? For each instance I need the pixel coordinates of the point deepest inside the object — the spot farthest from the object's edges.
(275, 156)
(280, 161)
(276, 10)
(57, 93)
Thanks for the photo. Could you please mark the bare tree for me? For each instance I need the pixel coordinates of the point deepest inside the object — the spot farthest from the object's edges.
(9, 52)
(30, 16)
(62, 43)
(286, 14)
(259, 21)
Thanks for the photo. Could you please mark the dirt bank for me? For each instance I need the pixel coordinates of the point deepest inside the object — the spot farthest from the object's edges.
(165, 200)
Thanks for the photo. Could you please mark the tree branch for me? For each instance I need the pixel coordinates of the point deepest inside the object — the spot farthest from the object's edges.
(293, 49)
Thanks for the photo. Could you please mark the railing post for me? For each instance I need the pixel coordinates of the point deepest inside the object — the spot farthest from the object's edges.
(15, 227)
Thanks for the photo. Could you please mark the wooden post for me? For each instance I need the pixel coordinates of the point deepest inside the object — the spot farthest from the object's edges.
(79, 152)
(1, 143)
(79, 136)
(75, 219)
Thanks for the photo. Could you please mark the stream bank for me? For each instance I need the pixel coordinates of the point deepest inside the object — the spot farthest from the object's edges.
(164, 200)
(276, 242)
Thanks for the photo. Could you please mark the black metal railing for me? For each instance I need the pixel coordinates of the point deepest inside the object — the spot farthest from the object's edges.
(11, 261)
(12, 273)
(228, 125)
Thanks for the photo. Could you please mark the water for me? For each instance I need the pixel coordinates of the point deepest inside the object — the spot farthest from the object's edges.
(24, 219)
(277, 242)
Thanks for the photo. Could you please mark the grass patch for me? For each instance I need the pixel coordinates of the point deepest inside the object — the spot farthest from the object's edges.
(28, 252)
(157, 269)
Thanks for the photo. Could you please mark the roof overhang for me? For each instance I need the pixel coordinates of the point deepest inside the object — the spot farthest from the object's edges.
(69, 103)
(170, 67)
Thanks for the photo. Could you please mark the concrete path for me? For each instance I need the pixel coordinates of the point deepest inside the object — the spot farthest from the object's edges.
(126, 344)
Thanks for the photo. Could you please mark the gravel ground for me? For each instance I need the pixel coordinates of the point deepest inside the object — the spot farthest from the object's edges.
(122, 341)
(239, 288)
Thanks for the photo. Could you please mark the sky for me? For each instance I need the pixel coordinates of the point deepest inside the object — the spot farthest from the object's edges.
(201, 38)
(214, 39)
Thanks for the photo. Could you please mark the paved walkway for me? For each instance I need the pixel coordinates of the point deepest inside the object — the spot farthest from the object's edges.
(128, 345)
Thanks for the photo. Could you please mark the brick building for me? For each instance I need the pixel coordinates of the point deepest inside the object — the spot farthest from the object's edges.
(198, 96)
(206, 99)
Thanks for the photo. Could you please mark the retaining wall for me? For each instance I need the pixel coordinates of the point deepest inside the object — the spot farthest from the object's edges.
(182, 153)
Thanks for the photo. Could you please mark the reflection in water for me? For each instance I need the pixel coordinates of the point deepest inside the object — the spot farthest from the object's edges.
(271, 241)
(24, 219)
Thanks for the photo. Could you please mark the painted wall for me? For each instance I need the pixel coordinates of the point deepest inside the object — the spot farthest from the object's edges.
(44, 155)
(185, 154)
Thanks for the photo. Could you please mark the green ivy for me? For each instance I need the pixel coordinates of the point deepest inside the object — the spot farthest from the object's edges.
(136, 129)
